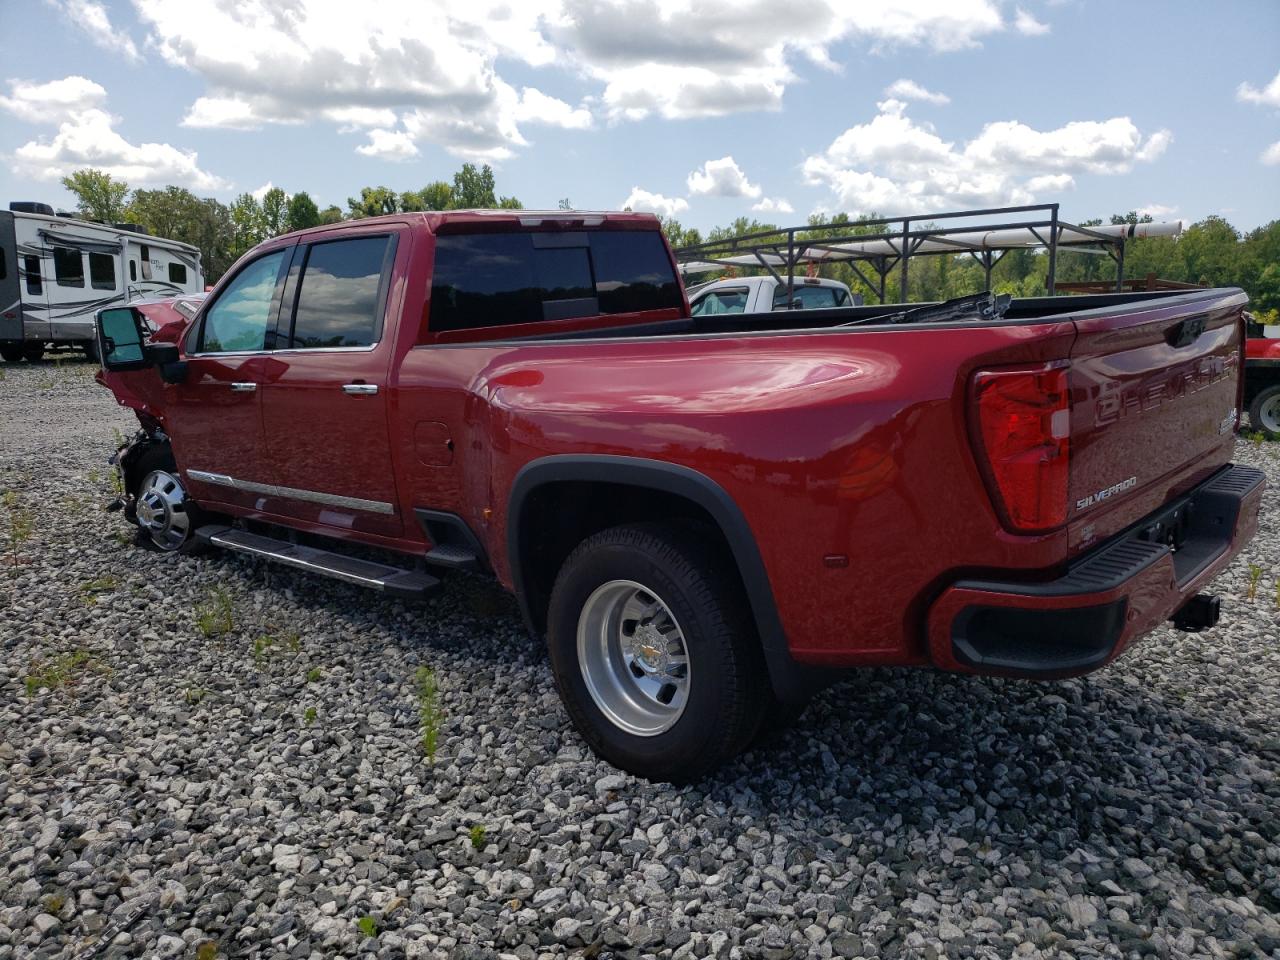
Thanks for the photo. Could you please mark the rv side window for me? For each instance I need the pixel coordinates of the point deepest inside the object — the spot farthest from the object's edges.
(4, 268)
(68, 267)
(32, 267)
(177, 273)
(102, 271)
(133, 271)
(146, 262)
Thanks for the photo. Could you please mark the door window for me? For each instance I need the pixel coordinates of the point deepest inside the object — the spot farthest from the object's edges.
(238, 320)
(68, 267)
(339, 294)
(31, 267)
(177, 273)
(102, 271)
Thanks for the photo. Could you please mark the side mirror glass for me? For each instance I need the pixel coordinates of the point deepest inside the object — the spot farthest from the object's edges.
(121, 335)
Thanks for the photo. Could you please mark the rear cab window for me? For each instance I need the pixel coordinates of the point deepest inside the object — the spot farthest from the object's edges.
(486, 280)
(716, 302)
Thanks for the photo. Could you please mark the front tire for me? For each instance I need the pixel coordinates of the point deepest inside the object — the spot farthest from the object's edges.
(656, 663)
(33, 351)
(1264, 411)
(167, 520)
(12, 352)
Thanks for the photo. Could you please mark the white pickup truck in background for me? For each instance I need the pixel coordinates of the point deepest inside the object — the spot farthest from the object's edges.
(767, 294)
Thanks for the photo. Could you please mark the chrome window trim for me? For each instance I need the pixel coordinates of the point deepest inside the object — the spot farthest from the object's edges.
(256, 353)
(292, 493)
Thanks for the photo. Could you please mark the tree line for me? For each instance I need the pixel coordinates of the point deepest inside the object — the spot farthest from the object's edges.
(1211, 251)
(224, 232)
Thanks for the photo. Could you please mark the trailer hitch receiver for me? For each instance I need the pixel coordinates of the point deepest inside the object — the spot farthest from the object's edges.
(1199, 613)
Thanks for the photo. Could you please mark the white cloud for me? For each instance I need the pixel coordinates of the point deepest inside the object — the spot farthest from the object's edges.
(262, 191)
(1268, 96)
(772, 205)
(721, 178)
(905, 89)
(894, 164)
(91, 17)
(437, 67)
(1027, 25)
(54, 101)
(1157, 211)
(536, 107)
(1271, 155)
(389, 145)
(643, 200)
(87, 137)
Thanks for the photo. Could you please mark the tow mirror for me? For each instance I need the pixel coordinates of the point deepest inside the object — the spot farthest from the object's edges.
(121, 333)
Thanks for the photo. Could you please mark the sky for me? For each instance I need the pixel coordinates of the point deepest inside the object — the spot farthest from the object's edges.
(705, 110)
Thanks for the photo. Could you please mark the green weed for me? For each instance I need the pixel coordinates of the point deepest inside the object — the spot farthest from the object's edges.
(1255, 577)
(314, 675)
(477, 836)
(214, 615)
(95, 588)
(195, 694)
(20, 523)
(262, 649)
(367, 926)
(430, 714)
(63, 670)
(309, 716)
(207, 950)
(53, 903)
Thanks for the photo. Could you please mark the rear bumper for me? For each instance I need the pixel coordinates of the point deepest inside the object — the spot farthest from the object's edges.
(1106, 600)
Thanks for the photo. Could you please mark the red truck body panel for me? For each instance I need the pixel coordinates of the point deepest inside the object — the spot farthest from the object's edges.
(849, 453)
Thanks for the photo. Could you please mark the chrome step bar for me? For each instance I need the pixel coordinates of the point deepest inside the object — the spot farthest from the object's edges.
(394, 581)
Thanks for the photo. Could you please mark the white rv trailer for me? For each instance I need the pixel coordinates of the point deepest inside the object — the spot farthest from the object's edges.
(56, 272)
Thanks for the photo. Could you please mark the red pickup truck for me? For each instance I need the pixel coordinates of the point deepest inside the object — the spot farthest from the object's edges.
(706, 517)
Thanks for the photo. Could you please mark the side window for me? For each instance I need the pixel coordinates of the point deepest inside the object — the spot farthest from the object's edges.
(339, 293)
(145, 257)
(133, 271)
(177, 273)
(31, 267)
(4, 266)
(68, 267)
(495, 279)
(238, 320)
(719, 302)
(102, 271)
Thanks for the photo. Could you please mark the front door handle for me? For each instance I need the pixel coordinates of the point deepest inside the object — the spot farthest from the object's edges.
(360, 389)
(243, 387)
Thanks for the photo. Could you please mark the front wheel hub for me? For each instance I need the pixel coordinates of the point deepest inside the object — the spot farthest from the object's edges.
(162, 510)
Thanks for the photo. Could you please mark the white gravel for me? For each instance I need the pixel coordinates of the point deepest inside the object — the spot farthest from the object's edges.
(176, 796)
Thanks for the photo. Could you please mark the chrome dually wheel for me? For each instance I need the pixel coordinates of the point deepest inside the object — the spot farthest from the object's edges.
(162, 510)
(633, 657)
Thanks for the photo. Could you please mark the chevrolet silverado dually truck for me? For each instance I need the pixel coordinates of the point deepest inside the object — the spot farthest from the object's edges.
(707, 518)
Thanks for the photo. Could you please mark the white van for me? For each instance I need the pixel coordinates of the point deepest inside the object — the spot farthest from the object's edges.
(57, 272)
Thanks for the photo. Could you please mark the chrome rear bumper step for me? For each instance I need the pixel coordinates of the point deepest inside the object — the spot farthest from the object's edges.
(394, 581)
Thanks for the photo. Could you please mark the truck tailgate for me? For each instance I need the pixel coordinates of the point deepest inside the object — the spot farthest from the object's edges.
(1154, 406)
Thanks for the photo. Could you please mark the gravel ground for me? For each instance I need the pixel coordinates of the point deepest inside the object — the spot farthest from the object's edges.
(263, 791)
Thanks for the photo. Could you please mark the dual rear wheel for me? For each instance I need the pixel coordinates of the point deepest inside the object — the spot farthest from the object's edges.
(654, 654)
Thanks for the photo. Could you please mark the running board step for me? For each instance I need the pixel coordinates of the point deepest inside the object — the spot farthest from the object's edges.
(394, 581)
(452, 555)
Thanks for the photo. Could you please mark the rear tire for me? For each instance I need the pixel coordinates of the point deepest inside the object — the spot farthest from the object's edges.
(91, 350)
(1264, 411)
(32, 351)
(12, 352)
(643, 613)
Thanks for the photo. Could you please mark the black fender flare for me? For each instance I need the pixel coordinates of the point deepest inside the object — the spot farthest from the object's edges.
(792, 682)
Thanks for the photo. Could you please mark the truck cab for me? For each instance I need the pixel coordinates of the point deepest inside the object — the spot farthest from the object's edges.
(768, 293)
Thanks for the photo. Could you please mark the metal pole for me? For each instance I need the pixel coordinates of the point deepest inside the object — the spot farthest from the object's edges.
(1120, 268)
(880, 269)
(791, 267)
(906, 252)
(1053, 249)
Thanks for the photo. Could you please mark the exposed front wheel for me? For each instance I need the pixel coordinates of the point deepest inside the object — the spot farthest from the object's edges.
(657, 666)
(166, 519)
(1264, 411)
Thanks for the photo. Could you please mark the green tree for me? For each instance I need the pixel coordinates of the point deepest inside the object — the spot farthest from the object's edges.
(434, 196)
(473, 188)
(275, 211)
(179, 214)
(248, 227)
(99, 196)
(303, 212)
(331, 214)
(374, 202)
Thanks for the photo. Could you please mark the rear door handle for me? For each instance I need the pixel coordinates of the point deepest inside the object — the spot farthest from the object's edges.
(243, 387)
(360, 389)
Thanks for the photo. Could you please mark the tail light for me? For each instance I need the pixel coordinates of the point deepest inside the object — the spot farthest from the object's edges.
(1024, 427)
